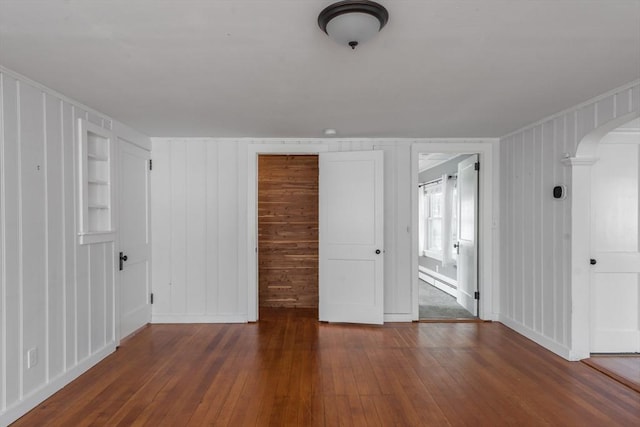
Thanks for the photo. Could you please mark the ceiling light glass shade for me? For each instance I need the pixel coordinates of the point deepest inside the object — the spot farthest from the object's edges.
(353, 27)
(353, 22)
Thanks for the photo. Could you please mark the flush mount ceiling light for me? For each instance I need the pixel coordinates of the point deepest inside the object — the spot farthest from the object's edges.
(353, 22)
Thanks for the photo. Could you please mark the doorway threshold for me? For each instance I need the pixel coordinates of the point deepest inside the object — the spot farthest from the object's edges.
(455, 320)
(624, 368)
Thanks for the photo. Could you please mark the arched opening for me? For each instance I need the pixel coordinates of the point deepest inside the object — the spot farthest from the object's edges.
(581, 229)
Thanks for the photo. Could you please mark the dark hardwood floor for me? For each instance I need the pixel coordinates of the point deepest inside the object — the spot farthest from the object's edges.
(290, 370)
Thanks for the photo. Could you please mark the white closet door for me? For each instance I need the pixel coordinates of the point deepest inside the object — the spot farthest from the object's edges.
(351, 237)
(135, 307)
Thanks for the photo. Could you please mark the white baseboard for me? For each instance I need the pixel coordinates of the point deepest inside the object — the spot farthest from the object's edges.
(242, 318)
(538, 338)
(394, 317)
(440, 281)
(197, 318)
(36, 397)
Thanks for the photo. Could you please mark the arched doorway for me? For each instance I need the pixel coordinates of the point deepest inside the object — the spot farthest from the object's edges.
(581, 234)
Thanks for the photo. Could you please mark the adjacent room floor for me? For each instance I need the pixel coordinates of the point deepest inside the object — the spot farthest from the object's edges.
(621, 367)
(437, 304)
(290, 369)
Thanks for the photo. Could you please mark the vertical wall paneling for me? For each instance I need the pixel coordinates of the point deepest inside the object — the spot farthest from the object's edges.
(559, 207)
(536, 252)
(11, 273)
(3, 320)
(528, 234)
(537, 199)
(57, 299)
(55, 244)
(97, 295)
(570, 145)
(212, 231)
(241, 225)
(179, 247)
(69, 230)
(546, 213)
(109, 268)
(520, 243)
(228, 216)
(606, 110)
(32, 230)
(505, 190)
(402, 224)
(196, 226)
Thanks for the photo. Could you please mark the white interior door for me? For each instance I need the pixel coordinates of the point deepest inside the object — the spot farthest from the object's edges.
(135, 305)
(615, 324)
(467, 234)
(351, 237)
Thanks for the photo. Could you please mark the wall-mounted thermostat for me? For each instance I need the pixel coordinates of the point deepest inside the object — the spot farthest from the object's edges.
(560, 192)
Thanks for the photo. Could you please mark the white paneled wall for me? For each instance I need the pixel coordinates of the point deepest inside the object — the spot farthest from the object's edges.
(535, 231)
(199, 227)
(195, 223)
(57, 297)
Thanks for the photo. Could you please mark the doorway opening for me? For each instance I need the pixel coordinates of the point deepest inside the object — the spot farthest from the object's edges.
(615, 242)
(448, 236)
(287, 246)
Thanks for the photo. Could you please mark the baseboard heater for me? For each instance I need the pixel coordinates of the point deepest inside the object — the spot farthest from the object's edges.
(440, 281)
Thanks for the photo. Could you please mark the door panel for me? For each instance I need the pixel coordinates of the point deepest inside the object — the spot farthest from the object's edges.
(467, 234)
(615, 282)
(351, 234)
(135, 307)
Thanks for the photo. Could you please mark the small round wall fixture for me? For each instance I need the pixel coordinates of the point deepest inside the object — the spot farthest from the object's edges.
(353, 22)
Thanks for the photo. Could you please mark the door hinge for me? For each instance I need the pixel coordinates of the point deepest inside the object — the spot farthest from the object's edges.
(151, 298)
(476, 166)
(476, 295)
(150, 164)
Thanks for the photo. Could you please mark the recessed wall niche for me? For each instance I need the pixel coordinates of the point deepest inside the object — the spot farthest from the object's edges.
(96, 196)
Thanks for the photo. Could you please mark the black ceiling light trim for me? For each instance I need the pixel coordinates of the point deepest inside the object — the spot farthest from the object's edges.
(352, 6)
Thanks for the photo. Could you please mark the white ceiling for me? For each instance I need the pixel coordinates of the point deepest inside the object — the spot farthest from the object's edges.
(440, 68)
(431, 160)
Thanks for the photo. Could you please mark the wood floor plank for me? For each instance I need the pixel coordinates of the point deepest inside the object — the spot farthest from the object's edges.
(289, 369)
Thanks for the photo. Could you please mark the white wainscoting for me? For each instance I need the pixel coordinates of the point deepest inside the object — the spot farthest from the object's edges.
(57, 296)
(536, 262)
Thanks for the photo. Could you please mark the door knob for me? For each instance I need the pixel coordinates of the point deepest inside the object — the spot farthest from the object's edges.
(593, 261)
(377, 251)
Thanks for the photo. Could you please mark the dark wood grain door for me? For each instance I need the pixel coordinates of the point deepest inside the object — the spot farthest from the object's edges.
(288, 230)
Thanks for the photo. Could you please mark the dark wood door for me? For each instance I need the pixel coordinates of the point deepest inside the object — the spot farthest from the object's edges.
(288, 230)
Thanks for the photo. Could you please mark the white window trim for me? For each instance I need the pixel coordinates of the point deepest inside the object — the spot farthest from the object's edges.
(434, 254)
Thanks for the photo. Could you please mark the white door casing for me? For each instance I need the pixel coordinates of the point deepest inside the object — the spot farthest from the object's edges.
(615, 278)
(467, 234)
(135, 306)
(351, 247)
